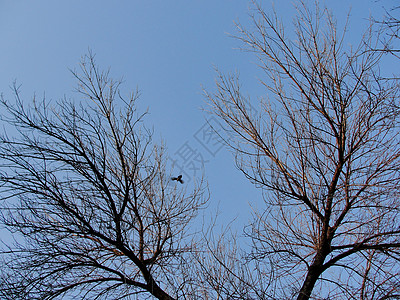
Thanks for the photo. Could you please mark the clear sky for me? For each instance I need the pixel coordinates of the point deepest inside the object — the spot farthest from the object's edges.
(166, 49)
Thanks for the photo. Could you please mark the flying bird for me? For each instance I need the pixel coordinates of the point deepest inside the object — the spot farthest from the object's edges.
(179, 179)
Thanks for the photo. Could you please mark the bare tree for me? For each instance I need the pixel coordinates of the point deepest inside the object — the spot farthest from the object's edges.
(88, 195)
(324, 146)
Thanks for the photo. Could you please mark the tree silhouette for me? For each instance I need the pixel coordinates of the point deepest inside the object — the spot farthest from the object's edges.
(325, 148)
(88, 197)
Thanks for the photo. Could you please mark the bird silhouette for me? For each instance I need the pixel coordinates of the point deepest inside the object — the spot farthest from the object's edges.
(179, 179)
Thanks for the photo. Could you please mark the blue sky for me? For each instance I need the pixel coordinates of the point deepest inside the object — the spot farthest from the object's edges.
(166, 49)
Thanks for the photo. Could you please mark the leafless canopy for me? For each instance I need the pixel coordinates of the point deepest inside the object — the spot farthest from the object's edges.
(88, 195)
(324, 146)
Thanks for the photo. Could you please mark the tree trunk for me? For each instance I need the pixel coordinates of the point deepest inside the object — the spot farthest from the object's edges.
(157, 292)
(153, 287)
(314, 271)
